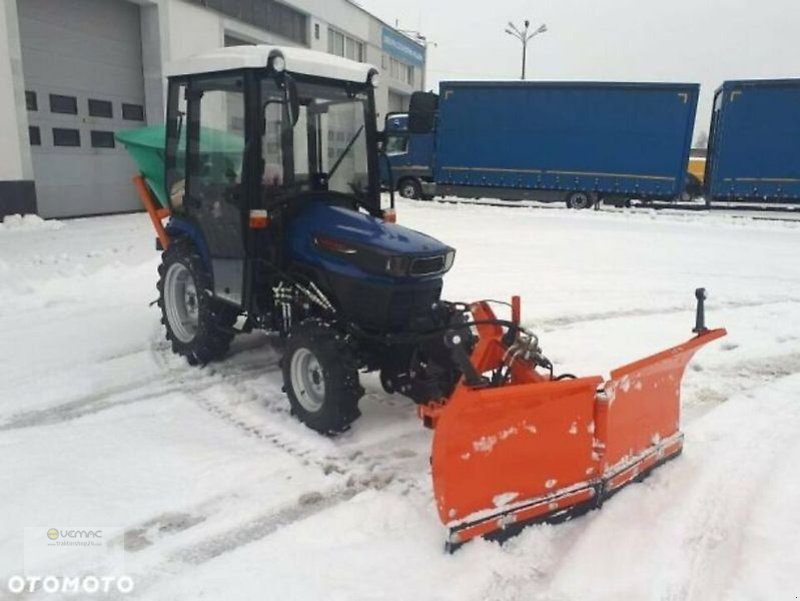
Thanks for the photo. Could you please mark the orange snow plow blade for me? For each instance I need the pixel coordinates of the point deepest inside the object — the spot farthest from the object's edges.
(536, 449)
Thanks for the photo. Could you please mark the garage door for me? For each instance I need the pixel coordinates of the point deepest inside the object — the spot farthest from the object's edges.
(82, 63)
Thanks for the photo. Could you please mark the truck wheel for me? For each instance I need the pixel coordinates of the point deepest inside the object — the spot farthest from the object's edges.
(579, 200)
(620, 202)
(197, 325)
(410, 188)
(321, 379)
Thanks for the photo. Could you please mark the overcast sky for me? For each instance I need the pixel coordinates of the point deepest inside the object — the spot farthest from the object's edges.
(695, 41)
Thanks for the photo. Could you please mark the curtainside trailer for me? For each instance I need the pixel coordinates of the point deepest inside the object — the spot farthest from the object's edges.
(578, 142)
(754, 145)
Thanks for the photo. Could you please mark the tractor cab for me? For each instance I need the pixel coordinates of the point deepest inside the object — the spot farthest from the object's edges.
(255, 134)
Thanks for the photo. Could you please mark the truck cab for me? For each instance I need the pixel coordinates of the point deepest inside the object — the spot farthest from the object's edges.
(410, 157)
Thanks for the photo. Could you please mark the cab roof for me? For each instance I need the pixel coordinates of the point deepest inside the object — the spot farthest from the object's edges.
(298, 60)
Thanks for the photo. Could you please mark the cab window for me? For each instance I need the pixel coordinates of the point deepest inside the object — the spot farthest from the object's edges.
(396, 145)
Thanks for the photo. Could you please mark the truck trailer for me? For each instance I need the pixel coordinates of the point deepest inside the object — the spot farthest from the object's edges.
(754, 144)
(577, 142)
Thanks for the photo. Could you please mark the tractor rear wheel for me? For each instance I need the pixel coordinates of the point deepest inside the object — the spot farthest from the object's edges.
(320, 377)
(198, 326)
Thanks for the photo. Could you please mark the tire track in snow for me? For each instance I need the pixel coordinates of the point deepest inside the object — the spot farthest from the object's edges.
(266, 524)
(373, 466)
(239, 393)
(146, 388)
(385, 460)
(152, 573)
(712, 540)
(736, 378)
(548, 325)
(90, 404)
(361, 462)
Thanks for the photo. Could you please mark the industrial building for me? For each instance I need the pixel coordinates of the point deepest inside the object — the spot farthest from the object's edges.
(73, 72)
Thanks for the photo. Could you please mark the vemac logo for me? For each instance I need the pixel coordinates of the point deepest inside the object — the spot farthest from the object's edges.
(56, 534)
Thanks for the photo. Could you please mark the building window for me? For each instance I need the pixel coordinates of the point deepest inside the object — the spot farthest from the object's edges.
(101, 108)
(66, 137)
(288, 22)
(266, 14)
(35, 136)
(31, 102)
(345, 46)
(401, 71)
(102, 139)
(316, 31)
(67, 105)
(335, 43)
(132, 112)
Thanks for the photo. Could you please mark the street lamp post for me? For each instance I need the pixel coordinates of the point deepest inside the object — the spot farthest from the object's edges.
(525, 36)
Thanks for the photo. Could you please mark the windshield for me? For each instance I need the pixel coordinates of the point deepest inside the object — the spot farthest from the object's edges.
(328, 142)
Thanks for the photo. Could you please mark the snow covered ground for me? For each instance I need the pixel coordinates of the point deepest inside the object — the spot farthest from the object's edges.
(222, 495)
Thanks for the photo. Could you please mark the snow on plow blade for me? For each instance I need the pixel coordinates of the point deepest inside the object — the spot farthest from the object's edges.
(540, 450)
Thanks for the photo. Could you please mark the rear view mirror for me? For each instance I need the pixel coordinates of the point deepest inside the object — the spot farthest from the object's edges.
(422, 112)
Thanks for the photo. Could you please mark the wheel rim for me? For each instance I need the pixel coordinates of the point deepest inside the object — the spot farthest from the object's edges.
(580, 201)
(181, 303)
(308, 380)
(408, 191)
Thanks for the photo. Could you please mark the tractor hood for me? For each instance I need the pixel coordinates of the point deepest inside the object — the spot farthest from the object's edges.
(325, 233)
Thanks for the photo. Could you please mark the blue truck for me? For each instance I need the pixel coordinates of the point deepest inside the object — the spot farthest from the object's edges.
(754, 143)
(411, 159)
(578, 142)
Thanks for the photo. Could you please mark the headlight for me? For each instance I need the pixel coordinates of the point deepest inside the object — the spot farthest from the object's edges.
(398, 266)
(380, 262)
(449, 259)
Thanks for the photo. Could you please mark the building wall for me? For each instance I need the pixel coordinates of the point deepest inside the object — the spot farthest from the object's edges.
(16, 171)
(210, 27)
(174, 29)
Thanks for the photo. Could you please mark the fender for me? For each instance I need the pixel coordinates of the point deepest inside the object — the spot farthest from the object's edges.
(178, 226)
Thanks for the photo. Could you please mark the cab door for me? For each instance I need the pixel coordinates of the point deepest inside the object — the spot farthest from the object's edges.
(216, 184)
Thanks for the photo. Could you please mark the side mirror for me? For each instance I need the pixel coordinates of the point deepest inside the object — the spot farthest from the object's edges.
(292, 99)
(422, 112)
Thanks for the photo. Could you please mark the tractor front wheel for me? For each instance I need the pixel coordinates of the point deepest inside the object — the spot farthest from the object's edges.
(321, 379)
(198, 326)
